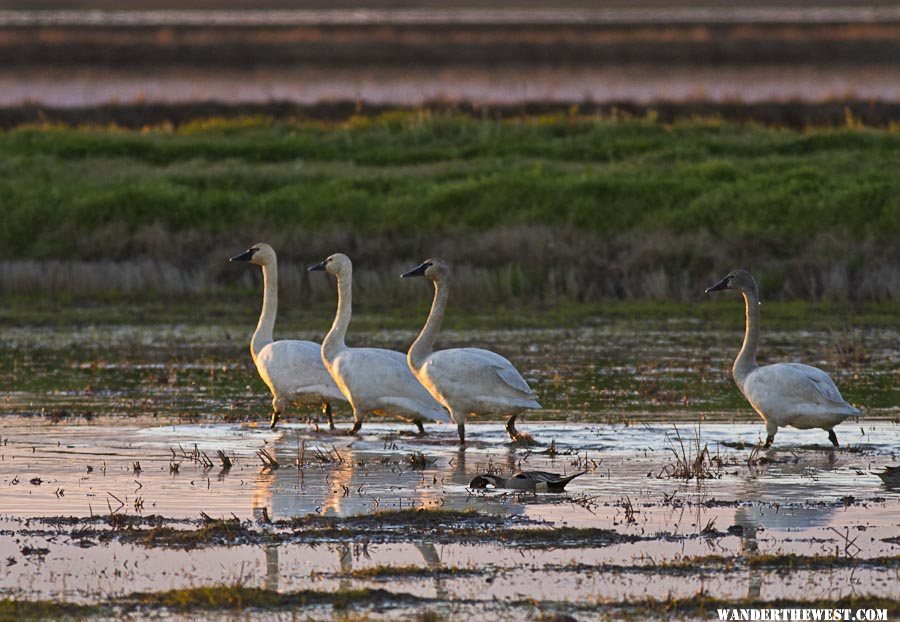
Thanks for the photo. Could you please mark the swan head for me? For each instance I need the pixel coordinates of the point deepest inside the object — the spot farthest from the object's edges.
(431, 269)
(485, 480)
(260, 254)
(741, 280)
(337, 264)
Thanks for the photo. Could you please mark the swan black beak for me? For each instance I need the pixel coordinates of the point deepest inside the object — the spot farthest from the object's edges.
(417, 271)
(245, 256)
(317, 267)
(723, 284)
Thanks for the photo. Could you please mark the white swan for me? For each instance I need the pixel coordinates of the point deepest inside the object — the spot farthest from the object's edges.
(373, 380)
(468, 381)
(292, 370)
(784, 394)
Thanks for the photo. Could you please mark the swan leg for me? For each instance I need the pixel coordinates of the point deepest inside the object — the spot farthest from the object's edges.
(420, 427)
(461, 430)
(511, 427)
(277, 408)
(833, 438)
(326, 410)
(771, 431)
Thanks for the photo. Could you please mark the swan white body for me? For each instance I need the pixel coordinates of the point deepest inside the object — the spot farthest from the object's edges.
(292, 369)
(294, 372)
(373, 380)
(467, 381)
(783, 394)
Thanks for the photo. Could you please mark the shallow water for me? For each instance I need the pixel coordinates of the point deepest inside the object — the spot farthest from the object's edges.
(90, 463)
(407, 85)
(804, 502)
(100, 417)
(603, 371)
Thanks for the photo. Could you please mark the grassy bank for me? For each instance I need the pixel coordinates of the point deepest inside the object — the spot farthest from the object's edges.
(241, 313)
(547, 209)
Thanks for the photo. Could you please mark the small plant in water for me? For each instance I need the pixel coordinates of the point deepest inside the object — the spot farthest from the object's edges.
(418, 460)
(692, 462)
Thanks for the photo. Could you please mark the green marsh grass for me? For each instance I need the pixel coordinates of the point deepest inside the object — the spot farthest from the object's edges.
(537, 210)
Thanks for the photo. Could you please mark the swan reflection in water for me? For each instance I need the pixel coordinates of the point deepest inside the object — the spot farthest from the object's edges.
(363, 478)
(782, 507)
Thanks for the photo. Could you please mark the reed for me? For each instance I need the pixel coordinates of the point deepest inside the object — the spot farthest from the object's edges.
(520, 266)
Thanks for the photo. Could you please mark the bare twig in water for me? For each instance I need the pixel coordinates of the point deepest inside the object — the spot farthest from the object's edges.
(418, 460)
(849, 543)
(331, 456)
(301, 455)
(629, 511)
(224, 459)
(121, 503)
(205, 462)
(269, 461)
(264, 516)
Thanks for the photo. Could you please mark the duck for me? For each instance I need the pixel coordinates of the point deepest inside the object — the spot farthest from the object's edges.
(373, 380)
(534, 481)
(783, 394)
(890, 476)
(292, 369)
(467, 381)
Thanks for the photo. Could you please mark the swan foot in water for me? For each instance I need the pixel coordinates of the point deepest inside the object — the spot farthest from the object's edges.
(833, 438)
(326, 410)
(461, 430)
(511, 427)
(521, 439)
(769, 440)
(356, 426)
(420, 427)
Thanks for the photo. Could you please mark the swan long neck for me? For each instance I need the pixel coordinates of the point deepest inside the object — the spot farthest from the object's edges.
(334, 340)
(262, 336)
(746, 358)
(424, 343)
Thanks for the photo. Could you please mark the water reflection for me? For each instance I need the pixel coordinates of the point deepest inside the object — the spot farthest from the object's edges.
(787, 510)
(335, 476)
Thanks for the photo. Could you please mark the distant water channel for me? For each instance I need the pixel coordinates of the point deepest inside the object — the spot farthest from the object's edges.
(414, 85)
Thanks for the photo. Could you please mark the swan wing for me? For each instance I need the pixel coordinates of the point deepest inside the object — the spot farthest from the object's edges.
(417, 409)
(821, 381)
(490, 364)
(379, 379)
(295, 368)
(790, 387)
(511, 376)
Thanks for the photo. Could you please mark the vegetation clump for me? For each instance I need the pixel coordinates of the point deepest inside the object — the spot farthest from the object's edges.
(219, 532)
(653, 207)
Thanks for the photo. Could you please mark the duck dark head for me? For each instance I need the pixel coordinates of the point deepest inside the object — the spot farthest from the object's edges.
(483, 481)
